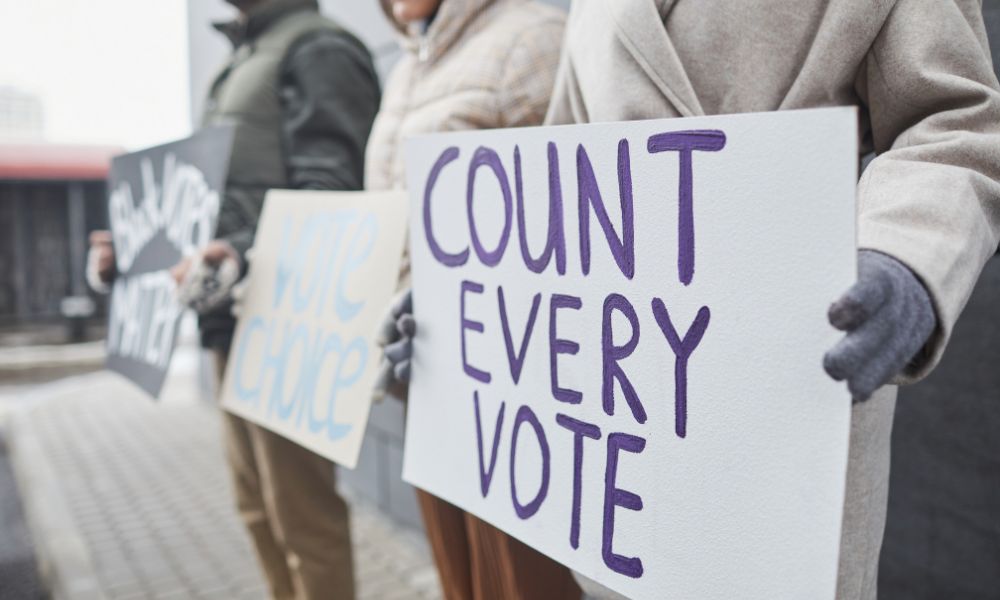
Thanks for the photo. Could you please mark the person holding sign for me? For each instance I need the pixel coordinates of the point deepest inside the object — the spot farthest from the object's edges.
(919, 71)
(470, 64)
(929, 218)
(301, 93)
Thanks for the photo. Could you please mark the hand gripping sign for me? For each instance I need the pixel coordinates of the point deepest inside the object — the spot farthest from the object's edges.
(163, 205)
(620, 331)
(304, 359)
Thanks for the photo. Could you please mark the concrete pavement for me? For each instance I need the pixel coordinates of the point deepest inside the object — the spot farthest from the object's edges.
(130, 499)
(18, 575)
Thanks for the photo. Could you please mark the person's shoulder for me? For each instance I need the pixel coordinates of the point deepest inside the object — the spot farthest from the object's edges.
(325, 37)
(529, 26)
(328, 31)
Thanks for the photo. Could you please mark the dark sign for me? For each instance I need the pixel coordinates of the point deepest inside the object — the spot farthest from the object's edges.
(163, 205)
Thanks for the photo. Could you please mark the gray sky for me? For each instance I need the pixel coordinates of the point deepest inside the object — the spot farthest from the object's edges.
(107, 71)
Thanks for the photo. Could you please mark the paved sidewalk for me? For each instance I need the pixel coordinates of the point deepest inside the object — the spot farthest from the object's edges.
(130, 499)
(30, 365)
(18, 575)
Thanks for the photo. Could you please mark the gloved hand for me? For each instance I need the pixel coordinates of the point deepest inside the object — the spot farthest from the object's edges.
(396, 338)
(888, 317)
(205, 280)
(239, 291)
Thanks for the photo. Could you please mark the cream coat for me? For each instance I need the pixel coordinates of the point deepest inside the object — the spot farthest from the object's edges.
(482, 64)
(920, 72)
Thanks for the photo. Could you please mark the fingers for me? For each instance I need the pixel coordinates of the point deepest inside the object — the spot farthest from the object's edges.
(387, 332)
(402, 371)
(217, 251)
(239, 295)
(180, 270)
(847, 359)
(399, 351)
(102, 254)
(396, 336)
(239, 291)
(404, 305)
(871, 377)
(396, 365)
(860, 302)
(105, 259)
(100, 271)
(104, 263)
(100, 237)
(406, 325)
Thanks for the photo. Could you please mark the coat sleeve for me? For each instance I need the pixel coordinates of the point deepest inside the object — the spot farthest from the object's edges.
(329, 94)
(931, 197)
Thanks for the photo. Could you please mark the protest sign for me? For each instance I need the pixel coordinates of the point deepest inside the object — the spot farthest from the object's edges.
(304, 359)
(620, 332)
(163, 205)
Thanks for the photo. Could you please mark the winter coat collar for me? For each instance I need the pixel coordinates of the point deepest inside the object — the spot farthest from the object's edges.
(242, 30)
(639, 25)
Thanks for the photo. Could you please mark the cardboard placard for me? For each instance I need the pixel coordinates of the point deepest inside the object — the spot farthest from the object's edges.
(163, 205)
(620, 332)
(304, 360)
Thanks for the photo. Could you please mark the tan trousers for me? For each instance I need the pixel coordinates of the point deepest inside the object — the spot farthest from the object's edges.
(287, 498)
(477, 561)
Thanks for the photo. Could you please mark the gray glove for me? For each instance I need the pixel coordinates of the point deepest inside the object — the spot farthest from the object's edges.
(396, 337)
(206, 286)
(238, 293)
(888, 318)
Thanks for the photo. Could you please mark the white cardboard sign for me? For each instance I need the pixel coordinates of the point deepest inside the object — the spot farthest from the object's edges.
(620, 338)
(304, 359)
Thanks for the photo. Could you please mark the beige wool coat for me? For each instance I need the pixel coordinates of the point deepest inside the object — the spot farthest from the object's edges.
(920, 73)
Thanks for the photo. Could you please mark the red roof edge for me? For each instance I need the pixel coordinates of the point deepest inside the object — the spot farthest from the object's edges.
(47, 162)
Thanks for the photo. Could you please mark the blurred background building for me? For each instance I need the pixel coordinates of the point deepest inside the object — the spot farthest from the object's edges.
(51, 196)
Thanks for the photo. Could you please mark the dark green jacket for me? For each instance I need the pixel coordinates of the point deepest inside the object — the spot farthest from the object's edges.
(302, 94)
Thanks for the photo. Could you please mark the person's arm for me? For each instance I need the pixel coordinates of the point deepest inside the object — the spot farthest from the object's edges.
(101, 268)
(330, 94)
(238, 217)
(931, 198)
